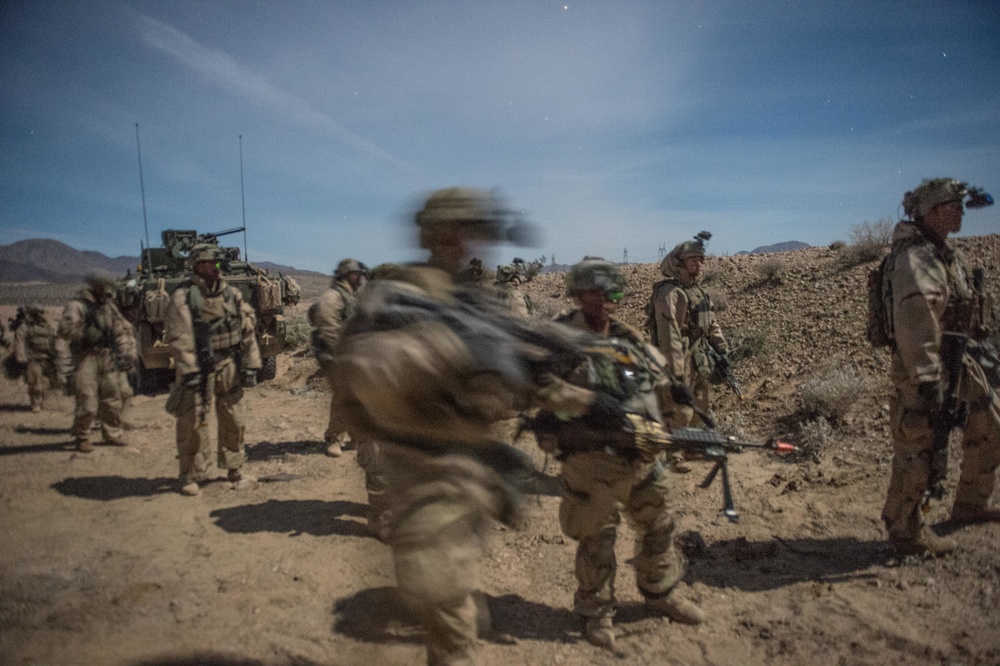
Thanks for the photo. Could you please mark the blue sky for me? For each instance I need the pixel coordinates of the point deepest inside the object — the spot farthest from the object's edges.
(613, 125)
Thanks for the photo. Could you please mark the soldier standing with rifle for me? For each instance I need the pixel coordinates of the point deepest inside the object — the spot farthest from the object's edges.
(102, 346)
(684, 328)
(212, 339)
(327, 317)
(936, 319)
(599, 483)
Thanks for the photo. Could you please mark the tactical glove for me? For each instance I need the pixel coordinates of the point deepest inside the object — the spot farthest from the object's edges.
(92, 336)
(126, 364)
(250, 378)
(681, 395)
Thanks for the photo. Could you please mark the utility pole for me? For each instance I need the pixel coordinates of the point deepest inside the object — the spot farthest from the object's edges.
(625, 257)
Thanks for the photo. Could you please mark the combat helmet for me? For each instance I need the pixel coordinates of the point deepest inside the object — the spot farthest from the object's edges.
(101, 278)
(508, 273)
(935, 191)
(205, 252)
(595, 273)
(479, 213)
(349, 266)
(674, 261)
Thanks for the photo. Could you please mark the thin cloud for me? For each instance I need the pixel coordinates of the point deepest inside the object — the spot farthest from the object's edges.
(221, 69)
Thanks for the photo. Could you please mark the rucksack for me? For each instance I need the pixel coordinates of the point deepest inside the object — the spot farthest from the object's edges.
(879, 331)
(650, 310)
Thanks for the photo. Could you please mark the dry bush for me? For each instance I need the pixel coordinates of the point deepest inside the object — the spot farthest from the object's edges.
(744, 344)
(298, 332)
(814, 435)
(838, 245)
(771, 270)
(868, 243)
(833, 391)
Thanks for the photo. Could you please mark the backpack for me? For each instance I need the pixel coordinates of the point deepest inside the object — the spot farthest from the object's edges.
(650, 310)
(879, 329)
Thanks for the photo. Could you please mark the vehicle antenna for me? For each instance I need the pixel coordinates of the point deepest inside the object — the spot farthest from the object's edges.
(243, 201)
(142, 189)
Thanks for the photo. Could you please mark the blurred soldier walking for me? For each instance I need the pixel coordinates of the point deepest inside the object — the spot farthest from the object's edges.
(327, 316)
(211, 333)
(683, 327)
(427, 367)
(937, 326)
(34, 348)
(102, 347)
(599, 483)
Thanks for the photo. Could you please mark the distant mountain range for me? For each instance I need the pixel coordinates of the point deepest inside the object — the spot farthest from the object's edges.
(47, 260)
(787, 246)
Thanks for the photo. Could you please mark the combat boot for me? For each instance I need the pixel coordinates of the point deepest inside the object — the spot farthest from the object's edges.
(239, 479)
(599, 631)
(190, 489)
(927, 543)
(968, 514)
(84, 446)
(675, 607)
(334, 450)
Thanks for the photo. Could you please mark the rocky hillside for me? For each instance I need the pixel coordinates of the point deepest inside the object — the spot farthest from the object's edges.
(794, 318)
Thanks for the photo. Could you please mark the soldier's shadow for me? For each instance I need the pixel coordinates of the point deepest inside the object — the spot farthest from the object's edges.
(541, 483)
(315, 517)
(27, 430)
(756, 566)
(7, 407)
(378, 615)
(106, 488)
(36, 448)
(269, 450)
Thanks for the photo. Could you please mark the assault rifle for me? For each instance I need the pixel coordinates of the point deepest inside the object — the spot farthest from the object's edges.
(206, 365)
(953, 414)
(724, 370)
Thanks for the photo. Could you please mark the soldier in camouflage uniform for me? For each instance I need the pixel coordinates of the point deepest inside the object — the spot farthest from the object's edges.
(598, 485)
(430, 396)
(211, 334)
(508, 290)
(684, 326)
(932, 293)
(327, 316)
(102, 347)
(34, 348)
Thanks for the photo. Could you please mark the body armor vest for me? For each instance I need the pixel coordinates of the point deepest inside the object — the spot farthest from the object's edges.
(221, 312)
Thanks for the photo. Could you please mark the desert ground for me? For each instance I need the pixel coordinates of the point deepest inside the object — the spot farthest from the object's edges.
(103, 562)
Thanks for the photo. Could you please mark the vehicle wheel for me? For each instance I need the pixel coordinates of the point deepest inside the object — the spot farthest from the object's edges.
(269, 369)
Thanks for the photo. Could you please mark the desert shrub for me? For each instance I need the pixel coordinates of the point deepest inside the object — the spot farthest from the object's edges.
(771, 270)
(868, 243)
(709, 277)
(814, 435)
(298, 332)
(719, 299)
(833, 391)
(745, 344)
(838, 245)
(872, 233)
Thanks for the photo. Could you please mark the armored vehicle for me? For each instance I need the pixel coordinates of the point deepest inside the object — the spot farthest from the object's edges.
(143, 298)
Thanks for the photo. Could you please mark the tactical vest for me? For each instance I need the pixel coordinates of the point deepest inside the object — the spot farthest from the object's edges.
(97, 334)
(226, 326)
(350, 300)
(963, 312)
(39, 338)
(700, 317)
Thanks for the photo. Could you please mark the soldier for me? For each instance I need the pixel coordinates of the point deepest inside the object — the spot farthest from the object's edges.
(683, 327)
(508, 289)
(211, 334)
(103, 350)
(427, 367)
(599, 484)
(34, 348)
(327, 316)
(932, 302)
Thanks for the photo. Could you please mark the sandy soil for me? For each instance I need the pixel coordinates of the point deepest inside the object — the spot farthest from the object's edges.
(102, 562)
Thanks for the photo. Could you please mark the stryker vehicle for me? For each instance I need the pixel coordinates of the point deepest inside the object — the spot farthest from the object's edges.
(143, 299)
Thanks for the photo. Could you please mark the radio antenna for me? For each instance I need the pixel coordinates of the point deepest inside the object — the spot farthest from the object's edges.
(142, 190)
(243, 202)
